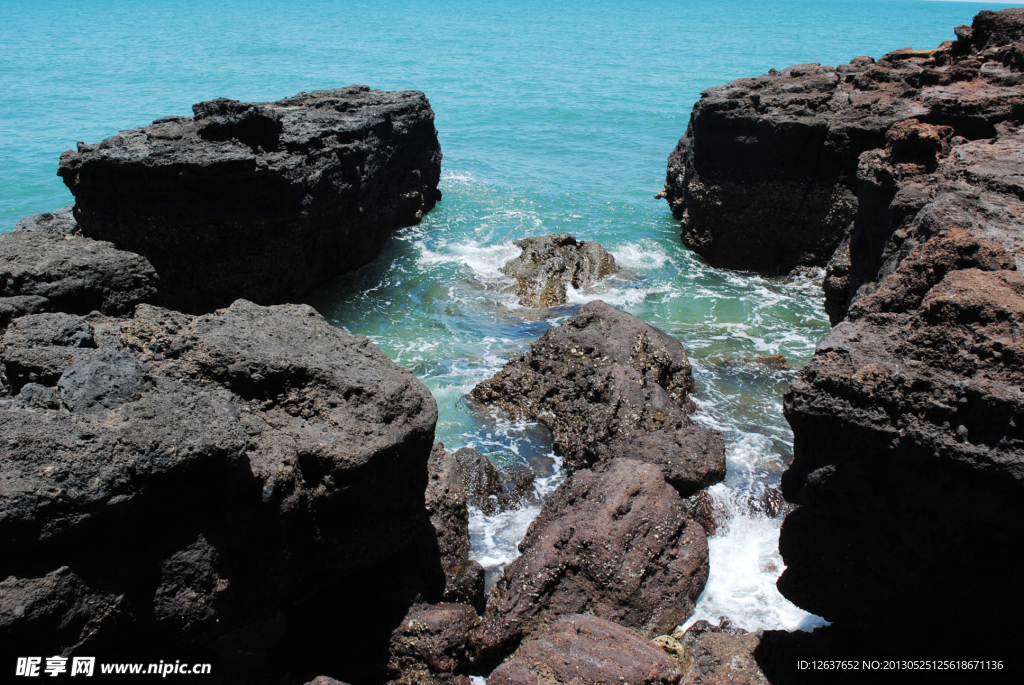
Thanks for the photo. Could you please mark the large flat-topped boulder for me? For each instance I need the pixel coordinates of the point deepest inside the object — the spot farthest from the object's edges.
(765, 176)
(260, 200)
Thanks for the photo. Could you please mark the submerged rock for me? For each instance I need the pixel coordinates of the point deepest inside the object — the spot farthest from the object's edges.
(46, 265)
(191, 479)
(765, 177)
(488, 488)
(908, 453)
(551, 263)
(598, 379)
(585, 649)
(261, 201)
(616, 542)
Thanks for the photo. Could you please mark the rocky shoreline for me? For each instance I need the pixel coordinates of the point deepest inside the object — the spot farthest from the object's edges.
(907, 461)
(194, 467)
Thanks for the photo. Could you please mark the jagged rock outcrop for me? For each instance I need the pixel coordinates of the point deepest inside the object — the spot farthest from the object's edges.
(610, 385)
(550, 263)
(617, 542)
(47, 265)
(176, 482)
(447, 503)
(260, 201)
(489, 488)
(765, 176)
(908, 454)
(583, 649)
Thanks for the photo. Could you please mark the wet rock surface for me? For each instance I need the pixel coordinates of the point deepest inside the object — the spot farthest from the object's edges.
(908, 458)
(599, 378)
(178, 481)
(765, 177)
(617, 542)
(47, 265)
(260, 200)
(583, 649)
(446, 500)
(488, 488)
(550, 263)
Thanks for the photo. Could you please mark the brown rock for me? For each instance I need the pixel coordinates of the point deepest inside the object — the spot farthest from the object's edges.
(600, 376)
(616, 542)
(431, 646)
(586, 650)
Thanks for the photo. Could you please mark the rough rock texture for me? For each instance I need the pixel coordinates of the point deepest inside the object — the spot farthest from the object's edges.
(446, 502)
(713, 655)
(765, 176)
(260, 200)
(908, 452)
(46, 265)
(597, 379)
(432, 646)
(325, 680)
(552, 262)
(586, 650)
(488, 488)
(617, 542)
(177, 481)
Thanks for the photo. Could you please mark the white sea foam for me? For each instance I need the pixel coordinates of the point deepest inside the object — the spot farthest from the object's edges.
(495, 539)
(745, 563)
(645, 255)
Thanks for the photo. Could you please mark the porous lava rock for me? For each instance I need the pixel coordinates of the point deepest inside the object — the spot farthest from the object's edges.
(447, 504)
(765, 177)
(616, 542)
(47, 265)
(260, 201)
(908, 456)
(549, 264)
(587, 650)
(176, 482)
(432, 646)
(600, 378)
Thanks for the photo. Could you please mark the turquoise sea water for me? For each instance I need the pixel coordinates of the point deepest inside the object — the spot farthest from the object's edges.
(553, 116)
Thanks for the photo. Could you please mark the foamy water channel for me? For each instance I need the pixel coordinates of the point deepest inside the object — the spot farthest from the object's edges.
(438, 304)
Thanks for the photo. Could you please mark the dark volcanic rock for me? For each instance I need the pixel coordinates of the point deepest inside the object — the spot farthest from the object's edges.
(598, 378)
(616, 542)
(586, 650)
(765, 176)
(551, 262)
(432, 646)
(197, 477)
(46, 265)
(489, 488)
(262, 200)
(908, 452)
(446, 502)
